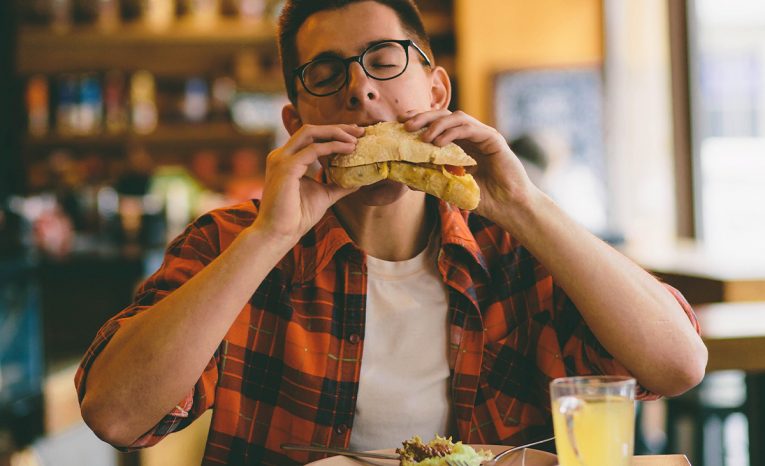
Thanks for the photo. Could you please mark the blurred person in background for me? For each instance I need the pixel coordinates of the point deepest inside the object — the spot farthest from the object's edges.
(546, 157)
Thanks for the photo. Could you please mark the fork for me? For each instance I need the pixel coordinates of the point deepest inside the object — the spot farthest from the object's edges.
(495, 460)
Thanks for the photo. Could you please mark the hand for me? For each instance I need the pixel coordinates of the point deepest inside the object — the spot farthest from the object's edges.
(500, 174)
(292, 202)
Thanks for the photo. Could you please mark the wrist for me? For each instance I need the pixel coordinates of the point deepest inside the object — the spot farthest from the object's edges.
(524, 213)
(278, 242)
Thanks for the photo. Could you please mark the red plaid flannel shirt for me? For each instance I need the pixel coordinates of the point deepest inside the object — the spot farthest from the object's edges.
(288, 369)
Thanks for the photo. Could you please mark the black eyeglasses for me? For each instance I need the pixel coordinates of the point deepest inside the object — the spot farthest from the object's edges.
(382, 61)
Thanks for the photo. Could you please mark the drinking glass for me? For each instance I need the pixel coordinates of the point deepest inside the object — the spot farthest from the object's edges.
(594, 420)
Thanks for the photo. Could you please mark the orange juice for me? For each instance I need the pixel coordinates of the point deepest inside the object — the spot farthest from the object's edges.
(603, 430)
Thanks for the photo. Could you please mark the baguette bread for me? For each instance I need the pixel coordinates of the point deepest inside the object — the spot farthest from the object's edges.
(388, 151)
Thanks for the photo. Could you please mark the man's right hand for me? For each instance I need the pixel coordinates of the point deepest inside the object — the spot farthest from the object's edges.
(149, 364)
(292, 202)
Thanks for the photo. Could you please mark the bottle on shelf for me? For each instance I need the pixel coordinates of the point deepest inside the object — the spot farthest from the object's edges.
(203, 12)
(223, 92)
(196, 102)
(108, 14)
(61, 14)
(143, 101)
(90, 109)
(115, 104)
(251, 10)
(158, 14)
(37, 98)
(67, 107)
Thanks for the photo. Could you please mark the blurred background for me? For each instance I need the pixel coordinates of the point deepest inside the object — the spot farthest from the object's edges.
(122, 120)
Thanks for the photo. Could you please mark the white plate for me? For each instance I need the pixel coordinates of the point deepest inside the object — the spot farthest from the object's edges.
(533, 458)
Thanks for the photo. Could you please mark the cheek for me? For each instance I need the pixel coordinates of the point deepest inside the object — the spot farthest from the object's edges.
(412, 92)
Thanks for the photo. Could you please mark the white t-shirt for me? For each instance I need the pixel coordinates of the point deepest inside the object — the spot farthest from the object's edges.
(404, 388)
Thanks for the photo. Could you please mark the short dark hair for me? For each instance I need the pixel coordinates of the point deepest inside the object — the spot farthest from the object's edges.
(296, 12)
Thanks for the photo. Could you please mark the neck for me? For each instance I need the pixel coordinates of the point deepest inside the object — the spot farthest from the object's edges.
(393, 232)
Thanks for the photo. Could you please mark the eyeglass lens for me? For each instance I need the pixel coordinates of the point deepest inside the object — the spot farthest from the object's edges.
(382, 61)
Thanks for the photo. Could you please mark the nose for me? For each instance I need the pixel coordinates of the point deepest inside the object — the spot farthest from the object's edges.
(361, 89)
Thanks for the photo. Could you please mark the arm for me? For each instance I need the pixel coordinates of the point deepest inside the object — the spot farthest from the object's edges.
(156, 356)
(632, 314)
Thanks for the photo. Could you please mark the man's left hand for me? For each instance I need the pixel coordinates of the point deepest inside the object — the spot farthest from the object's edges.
(500, 175)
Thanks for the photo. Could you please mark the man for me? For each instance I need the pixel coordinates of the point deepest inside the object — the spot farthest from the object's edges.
(287, 318)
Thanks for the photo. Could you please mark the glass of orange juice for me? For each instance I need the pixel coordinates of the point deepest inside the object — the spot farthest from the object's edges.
(594, 420)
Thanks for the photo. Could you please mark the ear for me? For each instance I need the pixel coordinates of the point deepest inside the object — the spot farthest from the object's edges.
(440, 88)
(291, 119)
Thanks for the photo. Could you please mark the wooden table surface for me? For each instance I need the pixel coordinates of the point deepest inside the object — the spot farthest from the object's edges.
(734, 334)
(661, 460)
(704, 275)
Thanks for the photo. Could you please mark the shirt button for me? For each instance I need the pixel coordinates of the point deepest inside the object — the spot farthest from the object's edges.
(354, 338)
(341, 429)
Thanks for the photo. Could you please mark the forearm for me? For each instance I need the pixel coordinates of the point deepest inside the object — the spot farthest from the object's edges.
(630, 312)
(156, 357)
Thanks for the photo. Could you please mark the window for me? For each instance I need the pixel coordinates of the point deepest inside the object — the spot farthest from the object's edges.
(728, 119)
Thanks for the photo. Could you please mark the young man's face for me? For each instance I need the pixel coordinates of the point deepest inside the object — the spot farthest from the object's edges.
(348, 32)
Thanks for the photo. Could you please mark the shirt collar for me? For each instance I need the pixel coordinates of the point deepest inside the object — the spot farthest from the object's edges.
(327, 238)
(318, 247)
(455, 230)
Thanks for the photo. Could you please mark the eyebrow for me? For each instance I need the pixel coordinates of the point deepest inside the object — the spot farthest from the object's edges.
(338, 54)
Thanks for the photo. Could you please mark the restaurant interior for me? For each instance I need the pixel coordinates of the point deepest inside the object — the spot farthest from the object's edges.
(123, 120)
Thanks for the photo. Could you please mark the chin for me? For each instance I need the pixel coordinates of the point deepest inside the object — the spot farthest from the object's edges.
(382, 193)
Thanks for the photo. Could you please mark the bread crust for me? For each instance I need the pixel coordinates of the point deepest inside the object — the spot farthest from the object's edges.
(388, 141)
(362, 175)
(460, 190)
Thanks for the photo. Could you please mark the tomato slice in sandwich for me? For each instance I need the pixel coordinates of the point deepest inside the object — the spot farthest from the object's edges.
(455, 170)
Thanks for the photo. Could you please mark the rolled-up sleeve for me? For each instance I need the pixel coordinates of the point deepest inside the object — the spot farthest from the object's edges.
(582, 352)
(185, 256)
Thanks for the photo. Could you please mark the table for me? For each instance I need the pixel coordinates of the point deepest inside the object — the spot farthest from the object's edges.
(734, 334)
(661, 460)
(704, 275)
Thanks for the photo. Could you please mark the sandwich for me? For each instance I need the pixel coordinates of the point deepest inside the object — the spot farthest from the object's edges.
(388, 151)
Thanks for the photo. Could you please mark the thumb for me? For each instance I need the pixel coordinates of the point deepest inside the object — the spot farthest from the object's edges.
(335, 192)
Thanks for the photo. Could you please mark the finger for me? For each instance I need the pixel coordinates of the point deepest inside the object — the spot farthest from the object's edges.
(346, 133)
(439, 126)
(353, 129)
(311, 153)
(423, 119)
(335, 192)
(309, 134)
(456, 133)
(480, 139)
(407, 115)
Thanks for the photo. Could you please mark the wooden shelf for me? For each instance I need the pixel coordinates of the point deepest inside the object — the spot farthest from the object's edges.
(175, 136)
(182, 49)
